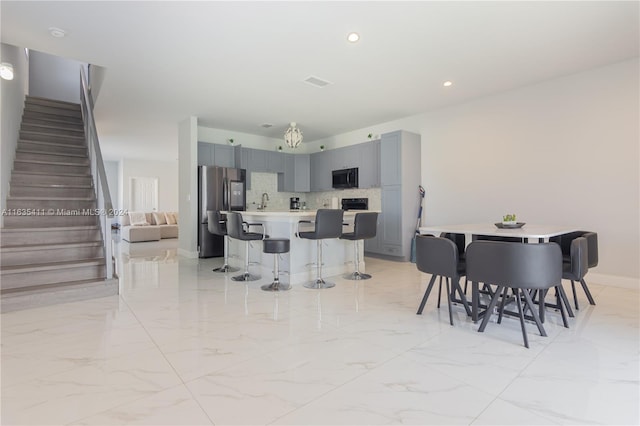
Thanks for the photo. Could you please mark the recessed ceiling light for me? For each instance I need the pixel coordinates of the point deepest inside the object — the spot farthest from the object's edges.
(447, 83)
(57, 32)
(266, 125)
(353, 37)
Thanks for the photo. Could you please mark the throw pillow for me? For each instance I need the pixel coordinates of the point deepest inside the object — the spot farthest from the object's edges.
(159, 218)
(138, 219)
(171, 219)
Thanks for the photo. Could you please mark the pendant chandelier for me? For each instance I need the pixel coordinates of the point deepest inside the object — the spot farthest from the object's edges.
(293, 136)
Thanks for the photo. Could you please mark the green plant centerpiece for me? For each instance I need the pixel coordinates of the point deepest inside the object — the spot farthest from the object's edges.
(321, 147)
(509, 219)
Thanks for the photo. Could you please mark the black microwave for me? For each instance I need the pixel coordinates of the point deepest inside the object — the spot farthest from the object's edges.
(345, 178)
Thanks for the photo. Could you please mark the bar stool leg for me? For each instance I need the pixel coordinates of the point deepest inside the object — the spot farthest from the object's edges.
(357, 275)
(226, 268)
(276, 285)
(319, 283)
(246, 276)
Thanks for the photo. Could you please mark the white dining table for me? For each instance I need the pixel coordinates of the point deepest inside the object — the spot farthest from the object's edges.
(540, 233)
(530, 233)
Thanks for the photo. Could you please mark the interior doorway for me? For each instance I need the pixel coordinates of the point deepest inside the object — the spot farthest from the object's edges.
(143, 194)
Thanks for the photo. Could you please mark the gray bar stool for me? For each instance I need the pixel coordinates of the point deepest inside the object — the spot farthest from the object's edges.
(276, 246)
(238, 229)
(364, 227)
(217, 225)
(328, 224)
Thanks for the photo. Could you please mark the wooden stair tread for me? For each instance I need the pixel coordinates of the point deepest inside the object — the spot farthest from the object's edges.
(51, 229)
(57, 246)
(38, 288)
(51, 266)
(59, 154)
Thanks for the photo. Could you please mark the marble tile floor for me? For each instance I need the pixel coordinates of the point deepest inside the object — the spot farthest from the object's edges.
(182, 345)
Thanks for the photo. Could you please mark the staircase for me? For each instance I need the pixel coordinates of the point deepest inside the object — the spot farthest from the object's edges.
(51, 245)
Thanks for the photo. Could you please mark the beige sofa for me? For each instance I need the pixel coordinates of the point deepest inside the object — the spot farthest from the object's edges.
(138, 227)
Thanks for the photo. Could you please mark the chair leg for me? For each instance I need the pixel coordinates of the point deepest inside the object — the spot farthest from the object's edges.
(521, 314)
(492, 304)
(502, 303)
(226, 268)
(426, 294)
(449, 301)
(534, 314)
(575, 297)
(565, 300)
(319, 282)
(587, 292)
(439, 292)
(246, 276)
(560, 305)
(463, 298)
(356, 275)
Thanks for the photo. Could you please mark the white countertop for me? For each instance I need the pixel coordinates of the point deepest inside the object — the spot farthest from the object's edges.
(296, 213)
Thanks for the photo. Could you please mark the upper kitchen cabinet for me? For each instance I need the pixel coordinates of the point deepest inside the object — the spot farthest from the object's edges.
(257, 160)
(211, 154)
(223, 155)
(275, 161)
(346, 158)
(296, 173)
(369, 164)
(321, 166)
(205, 157)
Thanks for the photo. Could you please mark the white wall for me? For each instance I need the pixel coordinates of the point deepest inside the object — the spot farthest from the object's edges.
(565, 151)
(165, 171)
(188, 185)
(112, 169)
(247, 140)
(12, 93)
(54, 77)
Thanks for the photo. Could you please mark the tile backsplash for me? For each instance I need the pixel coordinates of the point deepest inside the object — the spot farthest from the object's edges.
(268, 182)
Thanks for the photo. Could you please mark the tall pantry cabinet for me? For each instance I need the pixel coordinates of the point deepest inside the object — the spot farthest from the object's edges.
(399, 182)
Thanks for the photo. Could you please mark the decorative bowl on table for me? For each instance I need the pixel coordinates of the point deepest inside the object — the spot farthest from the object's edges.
(507, 225)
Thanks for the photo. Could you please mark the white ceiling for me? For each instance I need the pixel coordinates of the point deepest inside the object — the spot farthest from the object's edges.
(236, 65)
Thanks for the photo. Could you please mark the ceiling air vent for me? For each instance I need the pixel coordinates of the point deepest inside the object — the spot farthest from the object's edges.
(316, 81)
(266, 125)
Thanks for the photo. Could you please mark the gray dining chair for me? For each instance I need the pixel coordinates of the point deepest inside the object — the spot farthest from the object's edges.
(577, 266)
(519, 267)
(565, 242)
(439, 257)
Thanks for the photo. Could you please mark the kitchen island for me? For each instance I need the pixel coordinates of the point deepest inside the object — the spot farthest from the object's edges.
(337, 254)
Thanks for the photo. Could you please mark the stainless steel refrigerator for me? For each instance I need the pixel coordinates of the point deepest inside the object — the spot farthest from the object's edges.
(219, 188)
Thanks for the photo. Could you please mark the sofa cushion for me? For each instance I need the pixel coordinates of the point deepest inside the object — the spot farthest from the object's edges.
(159, 219)
(172, 218)
(138, 219)
(168, 231)
(135, 234)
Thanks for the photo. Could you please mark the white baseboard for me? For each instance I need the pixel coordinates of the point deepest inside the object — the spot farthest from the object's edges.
(613, 281)
(188, 254)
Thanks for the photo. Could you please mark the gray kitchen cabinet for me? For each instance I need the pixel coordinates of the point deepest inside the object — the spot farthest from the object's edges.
(369, 164)
(321, 167)
(296, 173)
(213, 154)
(205, 157)
(275, 161)
(399, 179)
(346, 158)
(223, 155)
(257, 160)
(390, 152)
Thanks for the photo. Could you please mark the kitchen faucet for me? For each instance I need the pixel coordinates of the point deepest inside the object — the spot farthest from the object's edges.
(265, 198)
